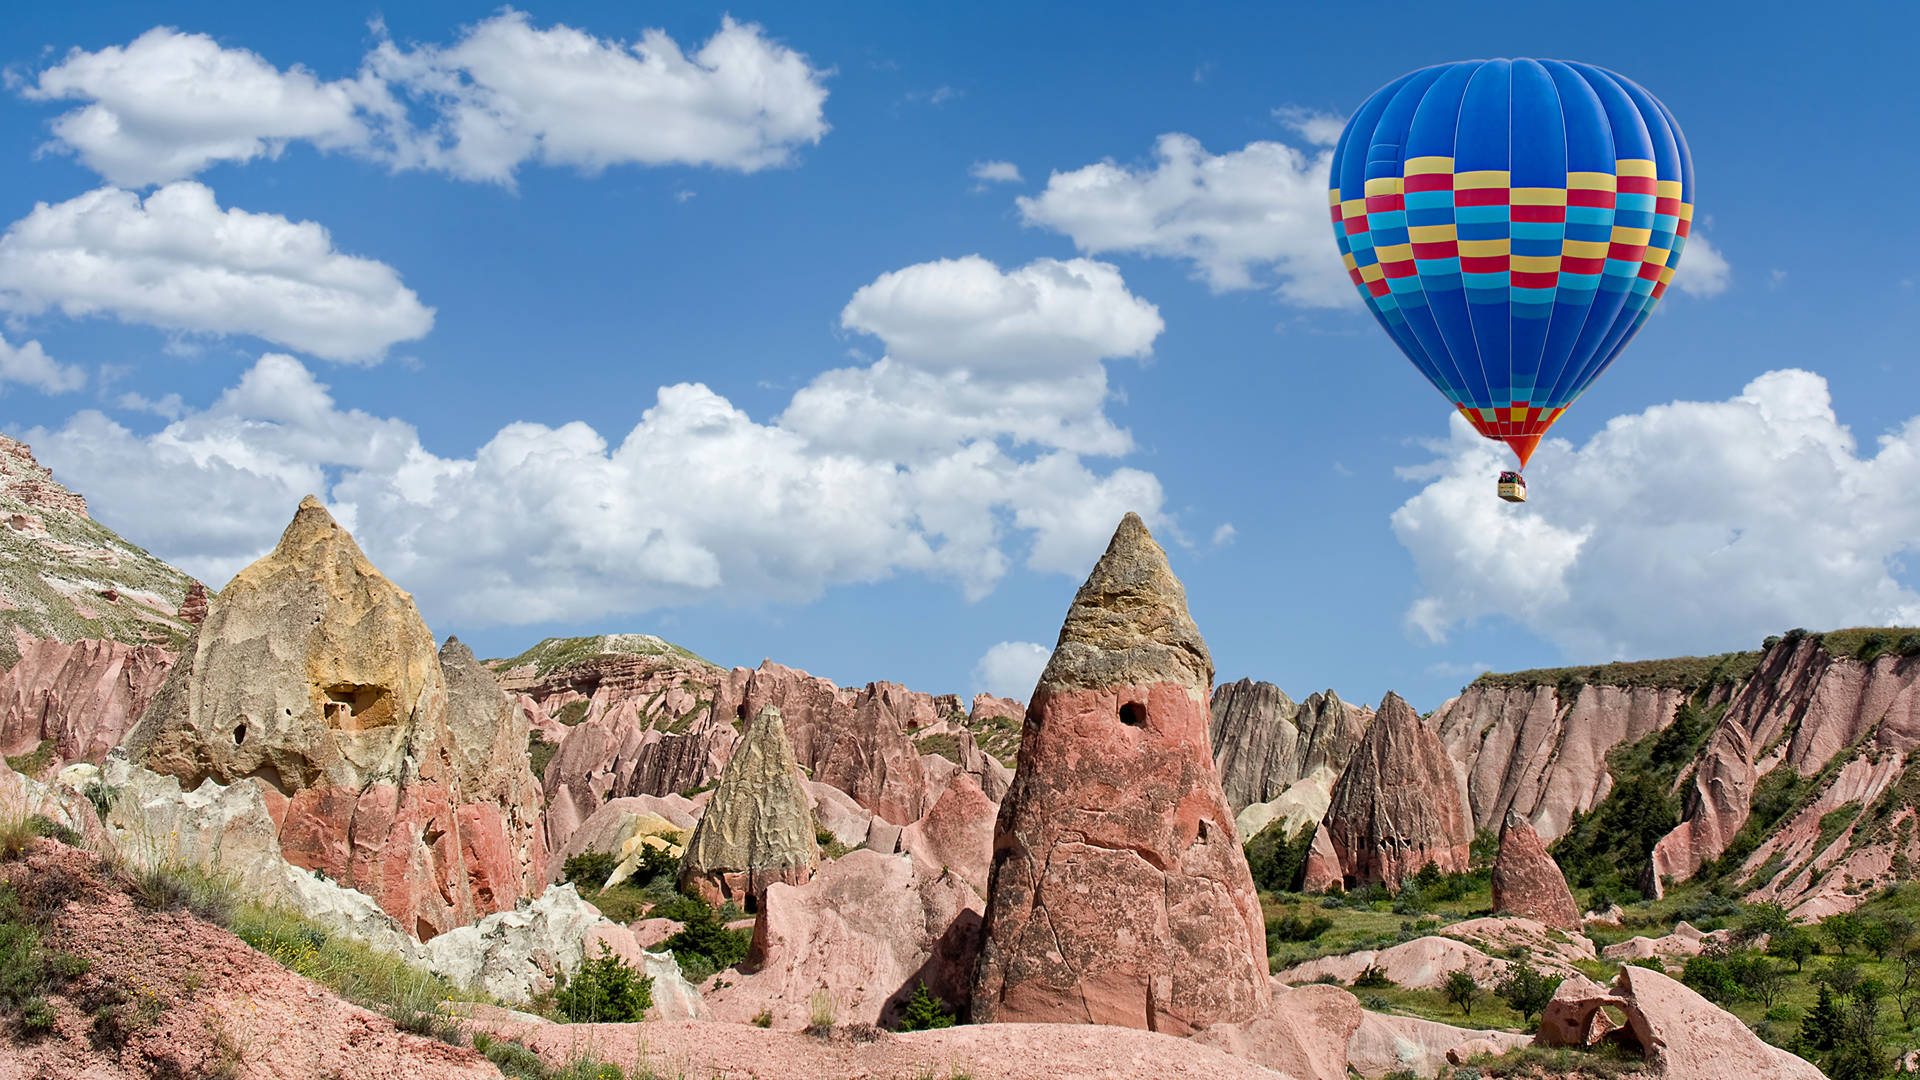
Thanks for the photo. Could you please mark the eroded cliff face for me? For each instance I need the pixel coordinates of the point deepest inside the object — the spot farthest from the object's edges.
(1399, 805)
(1264, 743)
(315, 677)
(1523, 750)
(1846, 731)
(63, 702)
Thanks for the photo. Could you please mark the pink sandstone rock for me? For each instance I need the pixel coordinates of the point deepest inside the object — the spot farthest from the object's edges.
(1304, 1034)
(1118, 892)
(1323, 863)
(1527, 882)
(1681, 1034)
(1502, 934)
(835, 811)
(1388, 1044)
(1397, 806)
(83, 696)
(193, 609)
(1421, 964)
(956, 835)
(862, 934)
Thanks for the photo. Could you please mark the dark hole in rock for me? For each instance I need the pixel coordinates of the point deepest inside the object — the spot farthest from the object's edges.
(1133, 714)
(239, 734)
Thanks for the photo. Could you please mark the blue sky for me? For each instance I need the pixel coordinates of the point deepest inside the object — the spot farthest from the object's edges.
(1132, 310)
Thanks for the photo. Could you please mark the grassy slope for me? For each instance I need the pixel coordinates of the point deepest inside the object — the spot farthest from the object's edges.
(554, 654)
(30, 570)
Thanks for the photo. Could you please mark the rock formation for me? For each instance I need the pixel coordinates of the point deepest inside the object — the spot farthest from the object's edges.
(757, 828)
(80, 697)
(1680, 1033)
(66, 577)
(1264, 744)
(1302, 805)
(956, 835)
(864, 933)
(1523, 749)
(1527, 882)
(1398, 805)
(1806, 709)
(1118, 892)
(314, 677)
(1386, 1044)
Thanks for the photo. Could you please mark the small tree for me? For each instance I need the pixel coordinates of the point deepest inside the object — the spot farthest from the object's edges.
(1821, 1026)
(1762, 978)
(1429, 876)
(606, 990)
(1843, 930)
(1769, 919)
(1877, 938)
(1462, 990)
(1795, 943)
(1526, 990)
(924, 1012)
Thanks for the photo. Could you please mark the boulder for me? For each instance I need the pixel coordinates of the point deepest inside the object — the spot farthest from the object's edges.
(757, 828)
(862, 935)
(1681, 1034)
(1397, 807)
(1386, 1044)
(1552, 948)
(315, 677)
(1527, 882)
(835, 811)
(956, 835)
(1685, 941)
(1118, 892)
(1304, 1034)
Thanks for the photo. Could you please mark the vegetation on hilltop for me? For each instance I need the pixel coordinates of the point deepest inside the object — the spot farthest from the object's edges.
(1675, 673)
(556, 654)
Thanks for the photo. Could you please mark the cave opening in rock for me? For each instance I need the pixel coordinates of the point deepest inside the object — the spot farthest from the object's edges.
(1133, 714)
(239, 733)
(357, 707)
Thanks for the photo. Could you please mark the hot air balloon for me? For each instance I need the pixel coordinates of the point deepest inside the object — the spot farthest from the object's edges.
(1511, 224)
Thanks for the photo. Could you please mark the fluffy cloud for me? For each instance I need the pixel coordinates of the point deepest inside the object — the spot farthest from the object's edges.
(1689, 527)
(177, 260)
(508, 93)
(1703, 271)
(995, 172)
(1011, 668)
(168, 105)
(974, 352)
(29, 365)
(697, 502)
(1254, 217)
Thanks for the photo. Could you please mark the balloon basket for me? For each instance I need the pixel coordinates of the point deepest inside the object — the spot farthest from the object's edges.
(1513, 487)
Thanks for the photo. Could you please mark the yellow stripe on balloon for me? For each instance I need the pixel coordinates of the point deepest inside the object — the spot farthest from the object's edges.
(1590, 181)
(1483, 248)
(1424, 166)
(1538, 196)
(1432, 234)
(1482, 178)
(1634, 167)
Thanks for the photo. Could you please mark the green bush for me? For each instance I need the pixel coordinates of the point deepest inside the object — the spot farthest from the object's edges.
(1526, 990)
(1372, 977)
(1292, 927)
(705, 945)
(28, 969)
(924, 1012)
(606, 990)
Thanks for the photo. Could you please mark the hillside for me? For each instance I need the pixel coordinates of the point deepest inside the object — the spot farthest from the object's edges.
(65, 576)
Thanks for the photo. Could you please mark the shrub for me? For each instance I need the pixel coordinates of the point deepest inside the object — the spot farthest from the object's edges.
(763, 1018)
(1526, 990)
(820, 1014)
(1372, 977)
(1278, 862)
(1292, 927)
(924, 1012)
(539, 752)
(606, 990)
(1462, 990)
(28, 969)
(706, 945)
(174, 886)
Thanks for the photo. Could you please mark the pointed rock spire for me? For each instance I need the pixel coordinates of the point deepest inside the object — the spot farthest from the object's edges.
(757, 828)
(1398, 805)
(1118, 892)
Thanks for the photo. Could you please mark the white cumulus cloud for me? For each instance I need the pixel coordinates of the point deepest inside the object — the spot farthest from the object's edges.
(508, 92)
(1011, 669)
(1693, 526)
(29, 365)
(697, 502)
(177, 260)
(1250, 218)
(170, 104)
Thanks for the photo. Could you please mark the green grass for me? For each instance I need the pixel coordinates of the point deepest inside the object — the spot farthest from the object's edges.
(29, 566)
(1674, 673)
(539, 753)
(1852, 642)
(1373, 927)
(33, 762)
(1603, 1061)
(947, 746)
(557, 654)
